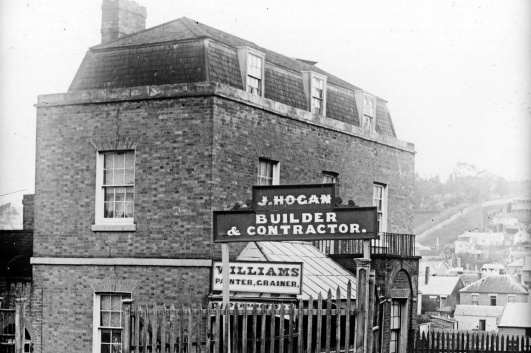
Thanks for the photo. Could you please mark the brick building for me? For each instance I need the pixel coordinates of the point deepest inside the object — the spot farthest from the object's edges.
(160, 127)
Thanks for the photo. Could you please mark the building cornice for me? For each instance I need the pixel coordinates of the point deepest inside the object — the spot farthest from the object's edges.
(142, 93)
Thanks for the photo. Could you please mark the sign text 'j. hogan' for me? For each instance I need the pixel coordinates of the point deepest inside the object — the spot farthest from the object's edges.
(304, 212)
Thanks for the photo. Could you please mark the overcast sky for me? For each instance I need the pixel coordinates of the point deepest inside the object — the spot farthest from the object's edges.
(456, 74)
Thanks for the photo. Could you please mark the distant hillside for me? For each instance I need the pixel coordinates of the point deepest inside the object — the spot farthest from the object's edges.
(424, 219)
(458, 221)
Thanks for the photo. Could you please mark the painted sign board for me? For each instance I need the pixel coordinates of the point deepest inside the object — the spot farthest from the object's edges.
(260, 277)
(301, 212)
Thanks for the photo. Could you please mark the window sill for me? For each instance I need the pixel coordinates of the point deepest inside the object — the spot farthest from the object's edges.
(114, 227)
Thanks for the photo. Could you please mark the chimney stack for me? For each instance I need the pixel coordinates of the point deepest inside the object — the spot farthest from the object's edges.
(120, 18)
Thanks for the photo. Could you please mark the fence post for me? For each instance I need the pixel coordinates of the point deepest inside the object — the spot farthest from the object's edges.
(20, 329)
(126, 340)
(363, 267)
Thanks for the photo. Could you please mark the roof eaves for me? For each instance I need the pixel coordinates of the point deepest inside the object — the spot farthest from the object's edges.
(193, 27)
(146, 45)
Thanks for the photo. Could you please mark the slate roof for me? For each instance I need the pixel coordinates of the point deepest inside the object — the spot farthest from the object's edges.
(517, 263)
(437, 267)
(495, 284)
(478, 310)
(179, 52)
(516, 315)
(439, 285)
(321, 273)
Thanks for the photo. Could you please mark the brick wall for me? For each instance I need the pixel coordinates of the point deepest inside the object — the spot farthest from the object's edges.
(197, 149)
(193, 155)
(172, 187)
(68, 296)
(242, 134)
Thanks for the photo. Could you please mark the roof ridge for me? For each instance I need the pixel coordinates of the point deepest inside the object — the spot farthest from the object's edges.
(165, 24)
(193, 27)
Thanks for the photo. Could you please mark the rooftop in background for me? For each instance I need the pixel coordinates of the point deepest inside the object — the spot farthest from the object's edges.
(440, 285)
(495, 284)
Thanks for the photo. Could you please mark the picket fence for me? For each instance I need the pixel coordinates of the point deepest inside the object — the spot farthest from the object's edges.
(469, 342)
(321, 325)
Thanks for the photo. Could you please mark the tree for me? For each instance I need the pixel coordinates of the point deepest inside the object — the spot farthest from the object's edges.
(502, 187)
(8, 216)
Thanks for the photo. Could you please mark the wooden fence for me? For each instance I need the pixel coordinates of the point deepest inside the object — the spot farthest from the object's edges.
(468, 342)
(321, 325)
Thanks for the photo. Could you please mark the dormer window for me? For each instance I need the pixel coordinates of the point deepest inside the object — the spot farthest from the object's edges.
(369, 112)
(252, 64)
(366, 105)
(254, 74)
(315, 89)
(318, 94)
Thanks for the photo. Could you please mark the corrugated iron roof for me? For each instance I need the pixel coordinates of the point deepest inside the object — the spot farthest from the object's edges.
(516, 315)
(320, 273)
(440, 285)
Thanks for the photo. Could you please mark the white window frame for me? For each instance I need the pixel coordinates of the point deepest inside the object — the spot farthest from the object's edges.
(96, 327)
(495, 296)
(401, 331)
(310, 79)
(244, 56)
(275, 171)
(511, 296)
(367, 117)
(472, 298)
(110, 224)
(330, 178)
(369, 113)
(382, 209)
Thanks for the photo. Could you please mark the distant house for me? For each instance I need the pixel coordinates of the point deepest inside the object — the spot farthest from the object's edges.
(483, 239)
(521, 236)
(520, 205)
(464, 247)
(503, 220)
(515, 267)
(492, 269)
(439, 293)
(467, 276)
(516, 319)
(526, 272)
(521, 269)
(434, 267)
(494, 290)
(477, 317)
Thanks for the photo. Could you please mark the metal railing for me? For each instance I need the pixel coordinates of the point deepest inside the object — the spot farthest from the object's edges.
(394, 244)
